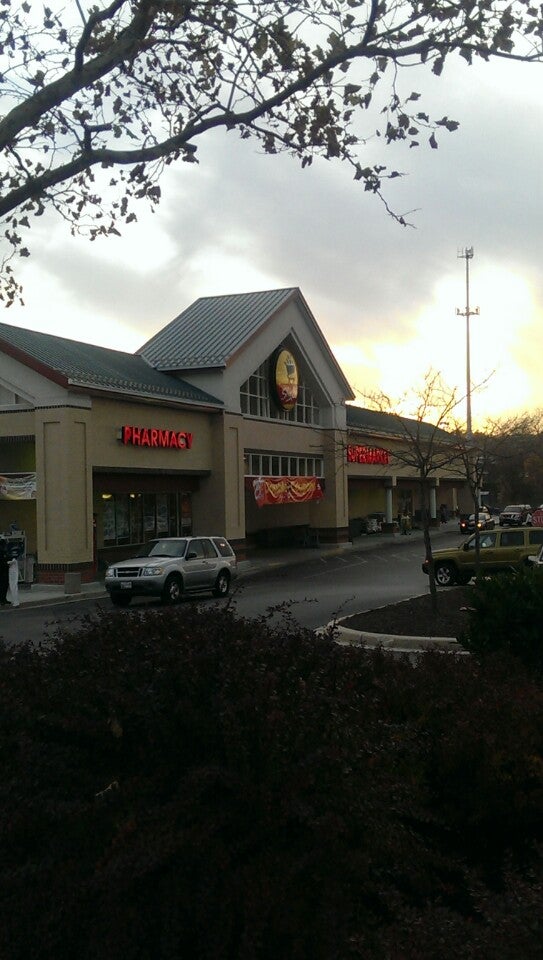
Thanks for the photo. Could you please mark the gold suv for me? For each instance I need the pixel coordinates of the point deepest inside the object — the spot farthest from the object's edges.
(499, 550)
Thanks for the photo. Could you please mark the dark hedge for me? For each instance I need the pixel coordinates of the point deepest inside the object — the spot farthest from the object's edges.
(507, 617)
(183, 784)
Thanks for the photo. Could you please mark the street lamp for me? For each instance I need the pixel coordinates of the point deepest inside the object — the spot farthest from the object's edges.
(467, 255)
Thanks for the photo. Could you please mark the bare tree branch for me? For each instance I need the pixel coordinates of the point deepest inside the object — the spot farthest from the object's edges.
(140, 82)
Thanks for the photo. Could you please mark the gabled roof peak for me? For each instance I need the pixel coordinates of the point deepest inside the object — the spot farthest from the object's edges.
(212, 329)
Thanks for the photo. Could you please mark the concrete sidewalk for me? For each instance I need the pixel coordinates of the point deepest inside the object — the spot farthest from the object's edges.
(38, 594)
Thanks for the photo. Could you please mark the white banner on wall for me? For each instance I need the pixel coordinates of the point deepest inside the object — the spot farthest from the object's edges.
(17, 486)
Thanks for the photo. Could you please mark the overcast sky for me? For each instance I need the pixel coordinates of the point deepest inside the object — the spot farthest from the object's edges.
(384, 296)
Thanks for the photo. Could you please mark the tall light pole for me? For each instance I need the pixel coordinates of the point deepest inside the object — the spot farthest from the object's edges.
(467, 255)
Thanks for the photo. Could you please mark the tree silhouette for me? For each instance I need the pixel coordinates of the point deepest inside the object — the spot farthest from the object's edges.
(97, 102)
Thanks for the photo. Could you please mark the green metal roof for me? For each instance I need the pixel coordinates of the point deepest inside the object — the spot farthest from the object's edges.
(209, 333)
(389, 425)
(88, 367)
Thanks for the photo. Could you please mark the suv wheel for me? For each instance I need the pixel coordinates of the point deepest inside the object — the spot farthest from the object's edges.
(173, 589)
(445, 574)
(222, 584)
(463, 579)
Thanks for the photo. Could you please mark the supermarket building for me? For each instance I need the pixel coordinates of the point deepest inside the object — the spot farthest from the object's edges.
(234, 419)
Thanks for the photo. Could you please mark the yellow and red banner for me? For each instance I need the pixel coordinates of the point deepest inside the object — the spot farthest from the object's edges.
(269, 490)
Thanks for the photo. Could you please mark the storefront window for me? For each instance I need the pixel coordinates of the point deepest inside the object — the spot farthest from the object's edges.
(186, 515)
(149, 524)
(265, 465)
(136, 518)
(122, 518)
(161, 513)
(173, 529)
(108, 519)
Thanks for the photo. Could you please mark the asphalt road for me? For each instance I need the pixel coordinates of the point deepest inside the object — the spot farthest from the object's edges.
(314, 593)
(330, 588)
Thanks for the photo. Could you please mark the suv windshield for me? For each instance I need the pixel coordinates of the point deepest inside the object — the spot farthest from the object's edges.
(164, 548)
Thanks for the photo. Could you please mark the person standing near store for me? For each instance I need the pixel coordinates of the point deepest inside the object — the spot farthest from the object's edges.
(4, 574)
(13, 580)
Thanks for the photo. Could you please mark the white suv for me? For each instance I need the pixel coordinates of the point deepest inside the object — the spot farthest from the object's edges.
(169, 567)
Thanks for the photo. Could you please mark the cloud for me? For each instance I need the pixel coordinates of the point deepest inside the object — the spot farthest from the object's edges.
(241, 220)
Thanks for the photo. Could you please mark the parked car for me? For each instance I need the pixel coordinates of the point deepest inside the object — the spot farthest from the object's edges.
(498, 550)
(169, 567)
(485, 521)
(537, 559)
(515, 514)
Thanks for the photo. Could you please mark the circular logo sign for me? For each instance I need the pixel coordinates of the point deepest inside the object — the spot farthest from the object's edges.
(285, 379)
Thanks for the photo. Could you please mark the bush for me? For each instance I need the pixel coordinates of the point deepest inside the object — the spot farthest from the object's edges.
(176, 784)
(507, 617)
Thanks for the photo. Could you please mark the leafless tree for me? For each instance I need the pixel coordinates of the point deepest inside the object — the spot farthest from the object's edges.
(424, 441)
(506, 451)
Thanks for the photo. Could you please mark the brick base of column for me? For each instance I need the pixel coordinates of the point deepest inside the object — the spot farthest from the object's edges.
(333, 535)
(55, 573)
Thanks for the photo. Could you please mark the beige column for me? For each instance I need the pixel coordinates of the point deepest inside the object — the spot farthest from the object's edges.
(331, 515)
(220, 504)
(64, 490)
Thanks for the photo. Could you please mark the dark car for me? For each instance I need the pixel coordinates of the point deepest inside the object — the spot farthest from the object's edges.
(515, 515)
(485, 521)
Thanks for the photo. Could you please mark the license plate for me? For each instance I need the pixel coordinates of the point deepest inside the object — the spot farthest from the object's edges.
(126, 585)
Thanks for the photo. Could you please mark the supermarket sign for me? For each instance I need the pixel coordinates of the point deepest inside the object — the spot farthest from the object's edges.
(356, 453)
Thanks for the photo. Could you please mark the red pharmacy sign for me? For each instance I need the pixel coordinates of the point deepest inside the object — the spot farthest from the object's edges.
(155, 437)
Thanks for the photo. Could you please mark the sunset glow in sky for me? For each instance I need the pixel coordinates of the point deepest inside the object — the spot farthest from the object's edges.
(385, 296)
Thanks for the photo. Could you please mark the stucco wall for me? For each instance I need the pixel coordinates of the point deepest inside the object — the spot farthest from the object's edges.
(64, 505)
(289, 324)
(219, 506)
(108, 452)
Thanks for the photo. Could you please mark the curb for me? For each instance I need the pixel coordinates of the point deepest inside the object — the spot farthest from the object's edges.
(388, 641)
(61, 598)
(372, 640)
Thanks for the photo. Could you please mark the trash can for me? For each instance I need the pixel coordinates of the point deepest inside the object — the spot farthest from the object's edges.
(72, 583)
(29, 565)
